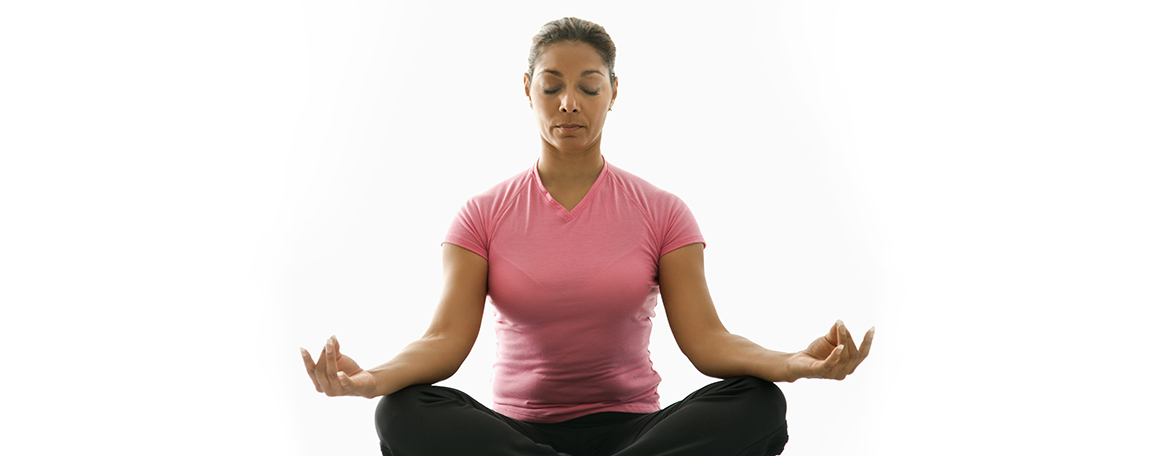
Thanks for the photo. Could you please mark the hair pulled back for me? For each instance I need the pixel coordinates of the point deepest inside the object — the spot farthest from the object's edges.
(573, 29)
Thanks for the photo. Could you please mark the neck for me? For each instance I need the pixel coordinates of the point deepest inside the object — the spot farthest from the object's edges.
(562, 170)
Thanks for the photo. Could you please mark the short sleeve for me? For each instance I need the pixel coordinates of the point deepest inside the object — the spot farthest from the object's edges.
(677, 226)
(469, 229)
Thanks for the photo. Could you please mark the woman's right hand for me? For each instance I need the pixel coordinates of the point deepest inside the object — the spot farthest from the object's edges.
(336, 374)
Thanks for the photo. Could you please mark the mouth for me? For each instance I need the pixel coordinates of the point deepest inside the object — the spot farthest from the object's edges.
(569, 127)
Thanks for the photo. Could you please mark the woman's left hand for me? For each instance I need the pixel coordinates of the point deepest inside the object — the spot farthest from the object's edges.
(833, 355)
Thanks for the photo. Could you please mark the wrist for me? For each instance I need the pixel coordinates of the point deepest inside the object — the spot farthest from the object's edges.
(778, 367)
(384, 381)
(372, 391)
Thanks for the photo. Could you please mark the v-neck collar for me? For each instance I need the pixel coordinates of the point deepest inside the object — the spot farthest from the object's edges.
(564, 213)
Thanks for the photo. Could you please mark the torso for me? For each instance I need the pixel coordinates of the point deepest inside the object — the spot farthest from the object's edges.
(591, 274)
(569, 198)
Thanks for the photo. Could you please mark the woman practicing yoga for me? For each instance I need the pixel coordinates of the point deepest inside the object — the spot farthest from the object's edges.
(573, 253)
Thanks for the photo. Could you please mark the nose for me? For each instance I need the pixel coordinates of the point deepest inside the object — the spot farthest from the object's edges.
(569, 103)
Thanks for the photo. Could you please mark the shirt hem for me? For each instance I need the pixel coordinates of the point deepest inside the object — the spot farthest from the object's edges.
(520, 414)
(465, 243)
(678, 245)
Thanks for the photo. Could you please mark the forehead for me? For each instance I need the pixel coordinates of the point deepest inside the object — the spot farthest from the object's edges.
(569, 59)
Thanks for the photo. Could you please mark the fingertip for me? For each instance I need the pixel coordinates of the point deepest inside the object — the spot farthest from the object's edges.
(836, 355)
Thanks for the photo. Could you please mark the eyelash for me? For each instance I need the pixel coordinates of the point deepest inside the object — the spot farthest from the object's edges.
(550, 92)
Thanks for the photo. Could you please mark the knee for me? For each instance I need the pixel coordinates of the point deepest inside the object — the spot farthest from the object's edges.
(763, 397)
(398, 407)
(769, 409)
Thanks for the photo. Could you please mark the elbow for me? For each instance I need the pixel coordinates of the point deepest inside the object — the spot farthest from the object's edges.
(706, 370)
(703, 359)
(449, 354)
(712, 355)
(708, 367)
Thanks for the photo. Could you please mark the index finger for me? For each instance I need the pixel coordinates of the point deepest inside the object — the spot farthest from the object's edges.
(846, 338)
(331, 361)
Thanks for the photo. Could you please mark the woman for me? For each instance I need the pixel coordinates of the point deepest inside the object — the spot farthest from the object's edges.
(578, 252)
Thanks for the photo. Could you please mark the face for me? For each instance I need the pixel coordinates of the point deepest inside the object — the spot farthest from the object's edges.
(570, 86)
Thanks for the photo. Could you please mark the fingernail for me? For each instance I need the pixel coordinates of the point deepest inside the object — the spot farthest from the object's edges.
(328, 346)
(840, 323)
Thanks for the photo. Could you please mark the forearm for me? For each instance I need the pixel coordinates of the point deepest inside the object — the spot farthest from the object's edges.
(727, 355)
(424, 361)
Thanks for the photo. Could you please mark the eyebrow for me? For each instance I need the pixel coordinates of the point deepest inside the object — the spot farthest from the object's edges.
(558, 73)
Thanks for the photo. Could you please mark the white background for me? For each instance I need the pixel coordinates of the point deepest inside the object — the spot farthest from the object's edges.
(190, 191)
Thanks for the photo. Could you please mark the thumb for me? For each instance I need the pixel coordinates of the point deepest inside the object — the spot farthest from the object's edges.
(346, 382)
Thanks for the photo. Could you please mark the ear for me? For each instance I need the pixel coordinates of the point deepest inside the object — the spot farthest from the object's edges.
(526, 92)
(615, 90)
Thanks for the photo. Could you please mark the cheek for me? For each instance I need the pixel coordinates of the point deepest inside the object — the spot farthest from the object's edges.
(545, 104)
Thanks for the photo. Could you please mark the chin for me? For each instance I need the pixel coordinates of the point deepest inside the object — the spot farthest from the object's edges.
(572, 145)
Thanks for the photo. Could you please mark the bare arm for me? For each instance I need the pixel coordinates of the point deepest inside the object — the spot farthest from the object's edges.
(438, 354)
(716, 352)
(435, 356)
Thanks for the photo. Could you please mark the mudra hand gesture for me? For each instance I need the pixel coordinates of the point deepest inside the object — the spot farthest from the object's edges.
(833, 355)
(336, 374)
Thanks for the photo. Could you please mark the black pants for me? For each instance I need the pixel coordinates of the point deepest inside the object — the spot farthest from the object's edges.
(741, 416)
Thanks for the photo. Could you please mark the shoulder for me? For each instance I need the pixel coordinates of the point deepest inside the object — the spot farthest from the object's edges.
(499, 196)
(642, 192)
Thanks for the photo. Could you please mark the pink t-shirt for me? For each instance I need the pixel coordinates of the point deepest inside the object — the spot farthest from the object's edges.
(573, 292)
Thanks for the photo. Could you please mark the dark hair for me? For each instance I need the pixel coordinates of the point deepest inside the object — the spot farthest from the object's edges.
(573, 29)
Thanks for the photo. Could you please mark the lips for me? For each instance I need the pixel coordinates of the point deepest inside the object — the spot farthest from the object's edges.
(568, 126)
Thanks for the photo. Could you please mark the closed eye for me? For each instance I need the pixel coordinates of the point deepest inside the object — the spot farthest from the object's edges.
(550, 92)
